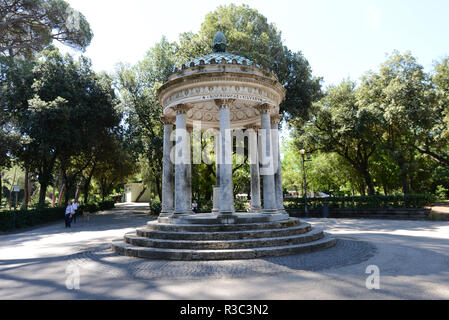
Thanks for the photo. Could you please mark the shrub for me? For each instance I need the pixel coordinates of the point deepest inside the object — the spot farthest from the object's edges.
(27, 218)
(441, 192)
(155, 207)
(10, 220)
(241, 205)
(363, 202)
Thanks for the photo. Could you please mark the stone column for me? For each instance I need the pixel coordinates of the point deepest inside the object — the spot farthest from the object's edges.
(167, 169)
(277, 161)
(189, 169)
(267, 164)
(226, 187)
(182, 161)
(216, 188)
(254, 169)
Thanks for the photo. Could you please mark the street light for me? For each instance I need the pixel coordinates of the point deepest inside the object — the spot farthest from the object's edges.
(303, 153)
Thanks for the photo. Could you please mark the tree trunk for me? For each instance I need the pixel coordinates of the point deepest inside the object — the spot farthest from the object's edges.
(78, 190)
(158, 188)
(403, 175)
(87, 184)
(369, 182)
(10, 190)
(69, 184)
(61, 193)
(1, 189)
(55, 186)
(42, 193)
(26, 191)
(34, 193)
(53, 197)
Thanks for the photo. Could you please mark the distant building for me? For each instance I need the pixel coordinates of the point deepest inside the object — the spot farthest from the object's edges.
(137, 192)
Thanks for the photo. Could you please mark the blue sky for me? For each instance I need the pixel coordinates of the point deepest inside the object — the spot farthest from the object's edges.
(341, 39)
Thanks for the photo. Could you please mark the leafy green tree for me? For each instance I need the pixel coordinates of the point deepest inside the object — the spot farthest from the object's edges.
(399, 97)
(339, 125)
(292, 175)
(113, 167)
(433, 140)
(72, 108)
(28, 26)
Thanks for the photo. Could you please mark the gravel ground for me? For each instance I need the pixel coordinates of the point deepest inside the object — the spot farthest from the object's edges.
(412, 258)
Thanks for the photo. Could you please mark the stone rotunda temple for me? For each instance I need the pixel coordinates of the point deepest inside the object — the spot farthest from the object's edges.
(222, 93)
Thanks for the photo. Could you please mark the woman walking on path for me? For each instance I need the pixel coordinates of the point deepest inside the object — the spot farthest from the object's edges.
(68, 215)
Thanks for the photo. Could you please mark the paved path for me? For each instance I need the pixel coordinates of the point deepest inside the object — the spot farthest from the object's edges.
(412, 257)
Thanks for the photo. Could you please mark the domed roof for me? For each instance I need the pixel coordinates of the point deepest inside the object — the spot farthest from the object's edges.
(220, 57)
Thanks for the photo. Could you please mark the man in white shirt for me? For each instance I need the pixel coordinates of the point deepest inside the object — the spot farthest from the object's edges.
(75, 206)
(68, 215)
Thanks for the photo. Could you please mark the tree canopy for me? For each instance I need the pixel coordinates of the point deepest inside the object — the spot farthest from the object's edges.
(392, 128)
(28, 26)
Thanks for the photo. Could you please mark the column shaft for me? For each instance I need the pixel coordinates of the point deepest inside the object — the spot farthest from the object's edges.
(181, 160)
(254, 170)
(167, 172)
(269, 194)
(188, 172)
(277, 162)
(226, 187)
(216, 187)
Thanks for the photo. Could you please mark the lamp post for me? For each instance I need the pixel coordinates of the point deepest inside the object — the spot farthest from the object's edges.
(303, 154)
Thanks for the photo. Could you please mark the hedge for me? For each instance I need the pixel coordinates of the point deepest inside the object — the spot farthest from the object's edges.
(10, 220)
(94, 207)
(362, 202)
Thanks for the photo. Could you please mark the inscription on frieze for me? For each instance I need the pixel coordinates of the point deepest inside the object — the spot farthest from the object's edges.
(232, 96)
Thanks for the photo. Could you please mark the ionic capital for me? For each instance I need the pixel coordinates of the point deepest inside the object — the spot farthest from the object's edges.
(276, 118)
(182, 108)
(167, 120)
(264, 108)
(224, 103)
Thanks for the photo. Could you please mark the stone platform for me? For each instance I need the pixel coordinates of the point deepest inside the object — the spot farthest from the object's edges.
(206, 237)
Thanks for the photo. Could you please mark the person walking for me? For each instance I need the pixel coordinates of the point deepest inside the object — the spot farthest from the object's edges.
(194, 207)
(75, 206)
(68, 215)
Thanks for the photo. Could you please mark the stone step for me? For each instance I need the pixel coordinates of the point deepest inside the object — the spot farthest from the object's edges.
(225, 235)
(224, 244)
(228, 254)
(157, 226)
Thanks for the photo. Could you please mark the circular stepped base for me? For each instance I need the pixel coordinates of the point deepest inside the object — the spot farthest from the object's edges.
(222, 242)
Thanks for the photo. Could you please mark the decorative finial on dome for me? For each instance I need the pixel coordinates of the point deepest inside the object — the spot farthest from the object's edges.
(219, 42)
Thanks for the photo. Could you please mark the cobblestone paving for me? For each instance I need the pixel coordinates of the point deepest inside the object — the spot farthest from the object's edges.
(348, 251)
(413, 258)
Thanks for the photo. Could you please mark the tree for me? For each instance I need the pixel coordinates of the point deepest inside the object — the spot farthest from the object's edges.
(72, 108)
(113, 167)
(28, 26)
(249, 34)
(340, 125)
(433, 140)
(398, 96)
(137, 86)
